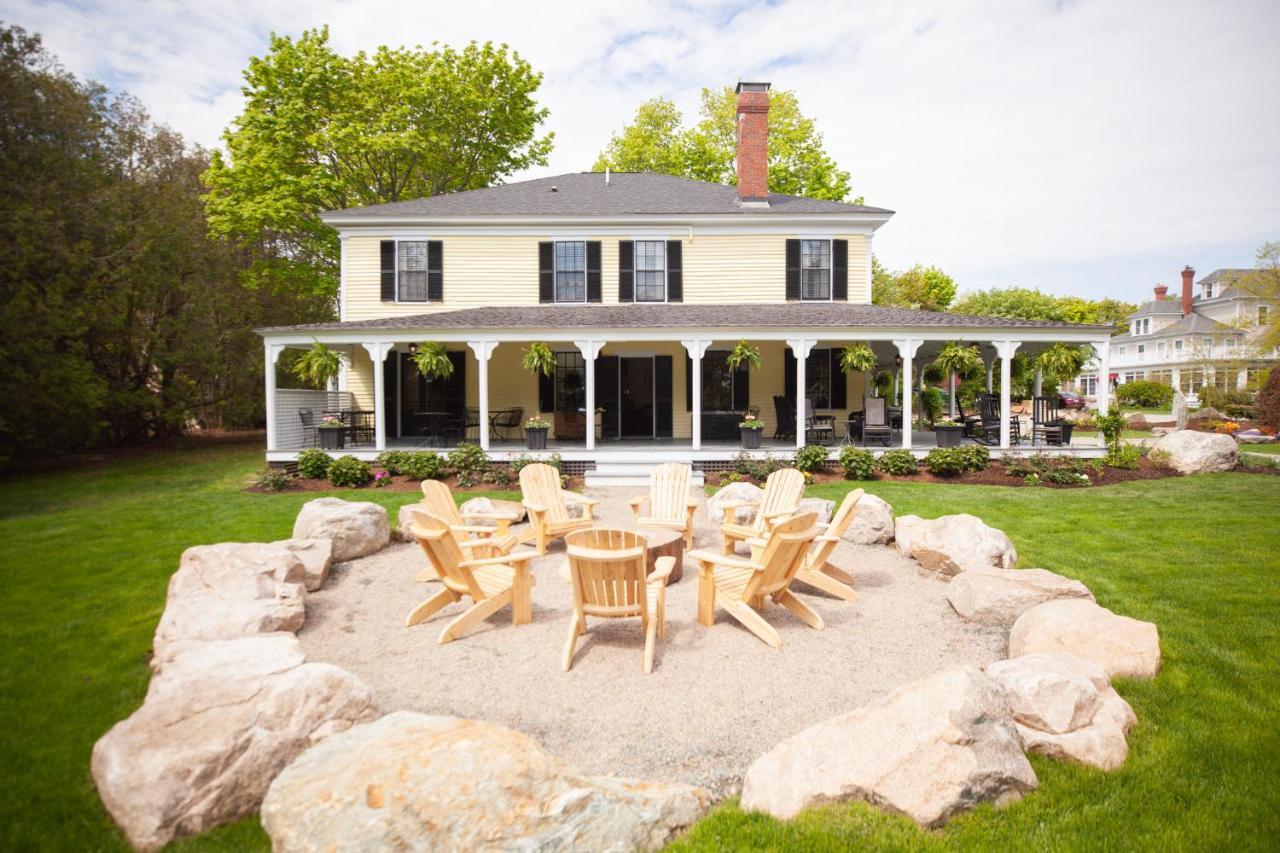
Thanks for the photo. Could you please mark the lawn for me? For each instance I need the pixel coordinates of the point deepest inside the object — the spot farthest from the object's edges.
(90, 551)
(1260, 448)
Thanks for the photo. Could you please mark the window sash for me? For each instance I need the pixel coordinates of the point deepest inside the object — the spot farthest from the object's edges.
(411, 271)
(570, 381)
(815, 269)
(717, 384)
(571, 271)
(650, 257)
(817, 378)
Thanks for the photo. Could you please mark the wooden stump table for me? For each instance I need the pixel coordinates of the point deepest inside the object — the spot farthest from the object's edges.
(664, 542)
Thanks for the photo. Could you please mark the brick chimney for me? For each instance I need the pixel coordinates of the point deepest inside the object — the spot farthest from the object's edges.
(1187, 274)
(1161, 291)
(753, 144)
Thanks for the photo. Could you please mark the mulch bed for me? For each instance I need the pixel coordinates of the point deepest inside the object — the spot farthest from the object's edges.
(399, 483)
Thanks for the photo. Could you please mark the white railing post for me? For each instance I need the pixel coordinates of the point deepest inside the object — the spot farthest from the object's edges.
(907, 348)
(589, 350)
(272, 355)
(483, 349)
(378, 353)
(800, 348)
(697, 349)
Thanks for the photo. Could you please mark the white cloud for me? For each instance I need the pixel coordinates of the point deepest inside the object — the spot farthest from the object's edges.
(1089, 147)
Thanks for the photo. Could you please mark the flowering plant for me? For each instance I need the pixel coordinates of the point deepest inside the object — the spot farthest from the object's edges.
(536, 422)
(381, 478)
(1230, 427)
(750, 421)
(331, 423)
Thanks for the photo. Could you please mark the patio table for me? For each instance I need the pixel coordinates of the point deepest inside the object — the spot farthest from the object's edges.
(359, 423)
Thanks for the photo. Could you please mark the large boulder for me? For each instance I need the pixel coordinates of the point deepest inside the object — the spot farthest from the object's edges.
(404, 518)
(1000, 596)
(732, 494)
(1122, 646)
(955, 543)
(218, 723)
(1065, 707)
(513, 510)
(872, 522)
(234, 589)
(316, 556)
(1190, 452)
(415, 782)
(928, 750)
(1208, 413)
(822, 509)
(357, 528)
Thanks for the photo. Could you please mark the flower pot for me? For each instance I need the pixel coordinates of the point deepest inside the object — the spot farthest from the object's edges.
(535, 439)
(1067, 427)
(948, 436)
(332, 439)
(751, 438)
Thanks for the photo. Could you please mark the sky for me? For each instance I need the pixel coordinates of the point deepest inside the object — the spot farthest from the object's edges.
(1088, 147)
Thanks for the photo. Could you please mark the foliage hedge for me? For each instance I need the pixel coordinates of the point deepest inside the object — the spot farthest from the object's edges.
(349, 471)
(900, 462)
(1152, 395)
(314, 464)
(944, 461)
(811, 457)
(858, 464)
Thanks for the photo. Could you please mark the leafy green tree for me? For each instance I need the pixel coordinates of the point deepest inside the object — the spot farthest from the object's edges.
(1264, 283)
(321, 132)
(1031, 304)
(658, 142)
(925, 288)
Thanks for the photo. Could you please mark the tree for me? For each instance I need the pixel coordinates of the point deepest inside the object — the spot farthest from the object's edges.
(321, 132)
(1264, 283)
(921, 287)
(1031, 304)
(658, 142)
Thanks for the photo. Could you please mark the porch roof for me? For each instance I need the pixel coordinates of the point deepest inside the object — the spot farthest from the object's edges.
(785, 315)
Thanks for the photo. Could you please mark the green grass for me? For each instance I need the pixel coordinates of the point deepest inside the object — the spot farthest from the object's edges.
(90, 552)
(1260, 448)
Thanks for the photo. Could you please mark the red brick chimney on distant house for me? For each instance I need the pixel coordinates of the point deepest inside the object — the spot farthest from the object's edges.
(753, 144)
(1187, 275)
(1161, 291)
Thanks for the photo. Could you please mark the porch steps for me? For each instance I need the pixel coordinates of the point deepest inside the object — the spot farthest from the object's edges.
(628, 474)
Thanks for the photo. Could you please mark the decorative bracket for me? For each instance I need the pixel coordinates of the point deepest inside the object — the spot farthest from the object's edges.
(696, 348)
(1006, 349)
(589, 349)
(483, 349)
(801, 347)
(378, 350)
(907, 347)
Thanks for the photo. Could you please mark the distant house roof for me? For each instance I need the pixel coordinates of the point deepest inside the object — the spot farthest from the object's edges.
(588, 194)
(1157, 306)
(659, 316)
(1190, 325)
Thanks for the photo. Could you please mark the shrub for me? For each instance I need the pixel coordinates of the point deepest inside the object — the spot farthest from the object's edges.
(1159, 458)
(314, 464)
(974, 457)
(1243, 412)
(858, 464)
(759, 469)
(1145, 393)
(518, 464)
(394, 461)
(900, 462)
(1221, 398)
(811, 457)
(1086, 420)
(349, 471)
(1126, 456)
(468, 461)
(1112, 425)
(423, 465)
(944, 461)
(1065, 477)
(272, 479)
(1269, 401)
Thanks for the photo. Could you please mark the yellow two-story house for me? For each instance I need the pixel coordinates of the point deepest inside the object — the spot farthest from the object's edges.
(640, 284)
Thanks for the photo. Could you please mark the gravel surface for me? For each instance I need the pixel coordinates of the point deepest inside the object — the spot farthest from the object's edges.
(717, 697)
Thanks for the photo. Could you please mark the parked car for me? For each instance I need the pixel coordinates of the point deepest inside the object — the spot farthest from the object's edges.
(1070, 400)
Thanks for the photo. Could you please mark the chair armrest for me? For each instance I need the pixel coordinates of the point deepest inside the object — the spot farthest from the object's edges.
(756, 542)
(491, 516)
(577, 498)
(532, 507)
(503, 560)
(472, 528)
(738, 505)
(662, 569)
(711, 557)
(692, 503)
(635, 504)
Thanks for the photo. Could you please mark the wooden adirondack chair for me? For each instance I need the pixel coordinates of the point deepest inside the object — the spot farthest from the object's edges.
(482, 541)
(781, 498)
(739, 586)
(816, 571)
(670, 504)
(607, 570)
(492, 582)
(545, 502)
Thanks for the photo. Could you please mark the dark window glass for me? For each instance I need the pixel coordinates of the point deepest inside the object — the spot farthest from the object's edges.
(651, 271)
(815, 269)
(817, 378)
(717, 384)
(571, 272)
(411, 271)
(571, 372)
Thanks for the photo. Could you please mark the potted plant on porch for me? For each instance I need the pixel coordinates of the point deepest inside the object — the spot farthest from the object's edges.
(751, 429)
(948, 433)
(332, 433)
(535, 433)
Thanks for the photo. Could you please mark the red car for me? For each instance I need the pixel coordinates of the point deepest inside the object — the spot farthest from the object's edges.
(1070, 400)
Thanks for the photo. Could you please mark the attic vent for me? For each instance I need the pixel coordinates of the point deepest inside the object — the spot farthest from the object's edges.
(554, 188)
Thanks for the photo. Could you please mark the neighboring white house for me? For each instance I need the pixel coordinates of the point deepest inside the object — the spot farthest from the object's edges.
(1207, 337)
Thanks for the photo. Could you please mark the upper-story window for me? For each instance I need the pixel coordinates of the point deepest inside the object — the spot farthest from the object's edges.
(815, 269)
(1177, 345)
(1142, 327)
(1208, 342)
(1160, 348)
(1121, 350)
(411, 271)
(651, 271)
(1208, 290)
(1142, 348)
(571, 271)
(1262, 315)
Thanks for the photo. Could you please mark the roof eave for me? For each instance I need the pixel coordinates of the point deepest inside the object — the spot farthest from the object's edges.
(337, 219)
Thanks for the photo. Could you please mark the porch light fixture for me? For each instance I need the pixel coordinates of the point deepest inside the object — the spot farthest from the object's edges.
(413, 349)
(897, 361)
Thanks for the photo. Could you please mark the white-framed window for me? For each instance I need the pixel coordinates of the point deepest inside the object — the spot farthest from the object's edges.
(651, 271)
(1263, 313)
(1142, 348)
(815, 269)
(1088, 385)
(1160, 348)
(1177, 345)
(1208, 290)
(411, 270)
(1121, 350)
(1208, 342)
(571, 271)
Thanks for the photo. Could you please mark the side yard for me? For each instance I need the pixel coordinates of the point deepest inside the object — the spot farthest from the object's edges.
(90, 551)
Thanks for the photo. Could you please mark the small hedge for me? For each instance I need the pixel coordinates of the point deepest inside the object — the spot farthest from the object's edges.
(858, 464)
(1145, 393)
(314, 464)
(810, 458)
(394, 461)
(423, 465)
(899, 463)
(974, 457)
(349, 471)
(944, 461)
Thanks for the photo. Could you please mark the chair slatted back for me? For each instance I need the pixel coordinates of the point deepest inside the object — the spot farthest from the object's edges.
(989, 410)
(669, 491)
(782, 492)
(875, 411)
(835, 530)
(608, 568)
(1044, 410)
(783, 555)
(540, 484)
(442, 549)
(438, 501)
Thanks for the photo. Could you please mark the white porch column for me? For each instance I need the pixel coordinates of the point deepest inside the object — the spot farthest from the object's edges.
(800, 348)
(907, 350)
(1175, 379)
(1242, 379)
(589, 350)
(272, 353)
(378, 354)
(1005, 351)
(696, 349)
(951, 394)
(991, 369)
(483, 349)
(1036, 389)
(1103, 349)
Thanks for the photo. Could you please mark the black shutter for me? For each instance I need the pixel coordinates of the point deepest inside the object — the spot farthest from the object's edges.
(593, 270)
(546, 272)
(741, 389)
(688, 383)
(626, 271)
(789, 375)
(546, 393)
(388, 270)
(840, 270)
(662, 415)
(793, 269)
(435, 271)
(675, 271)
(839, 382)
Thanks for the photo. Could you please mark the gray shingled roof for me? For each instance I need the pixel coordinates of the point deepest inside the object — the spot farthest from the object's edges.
(587, 194)
(1158, 306)
(780, 315)
(1191, 324)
